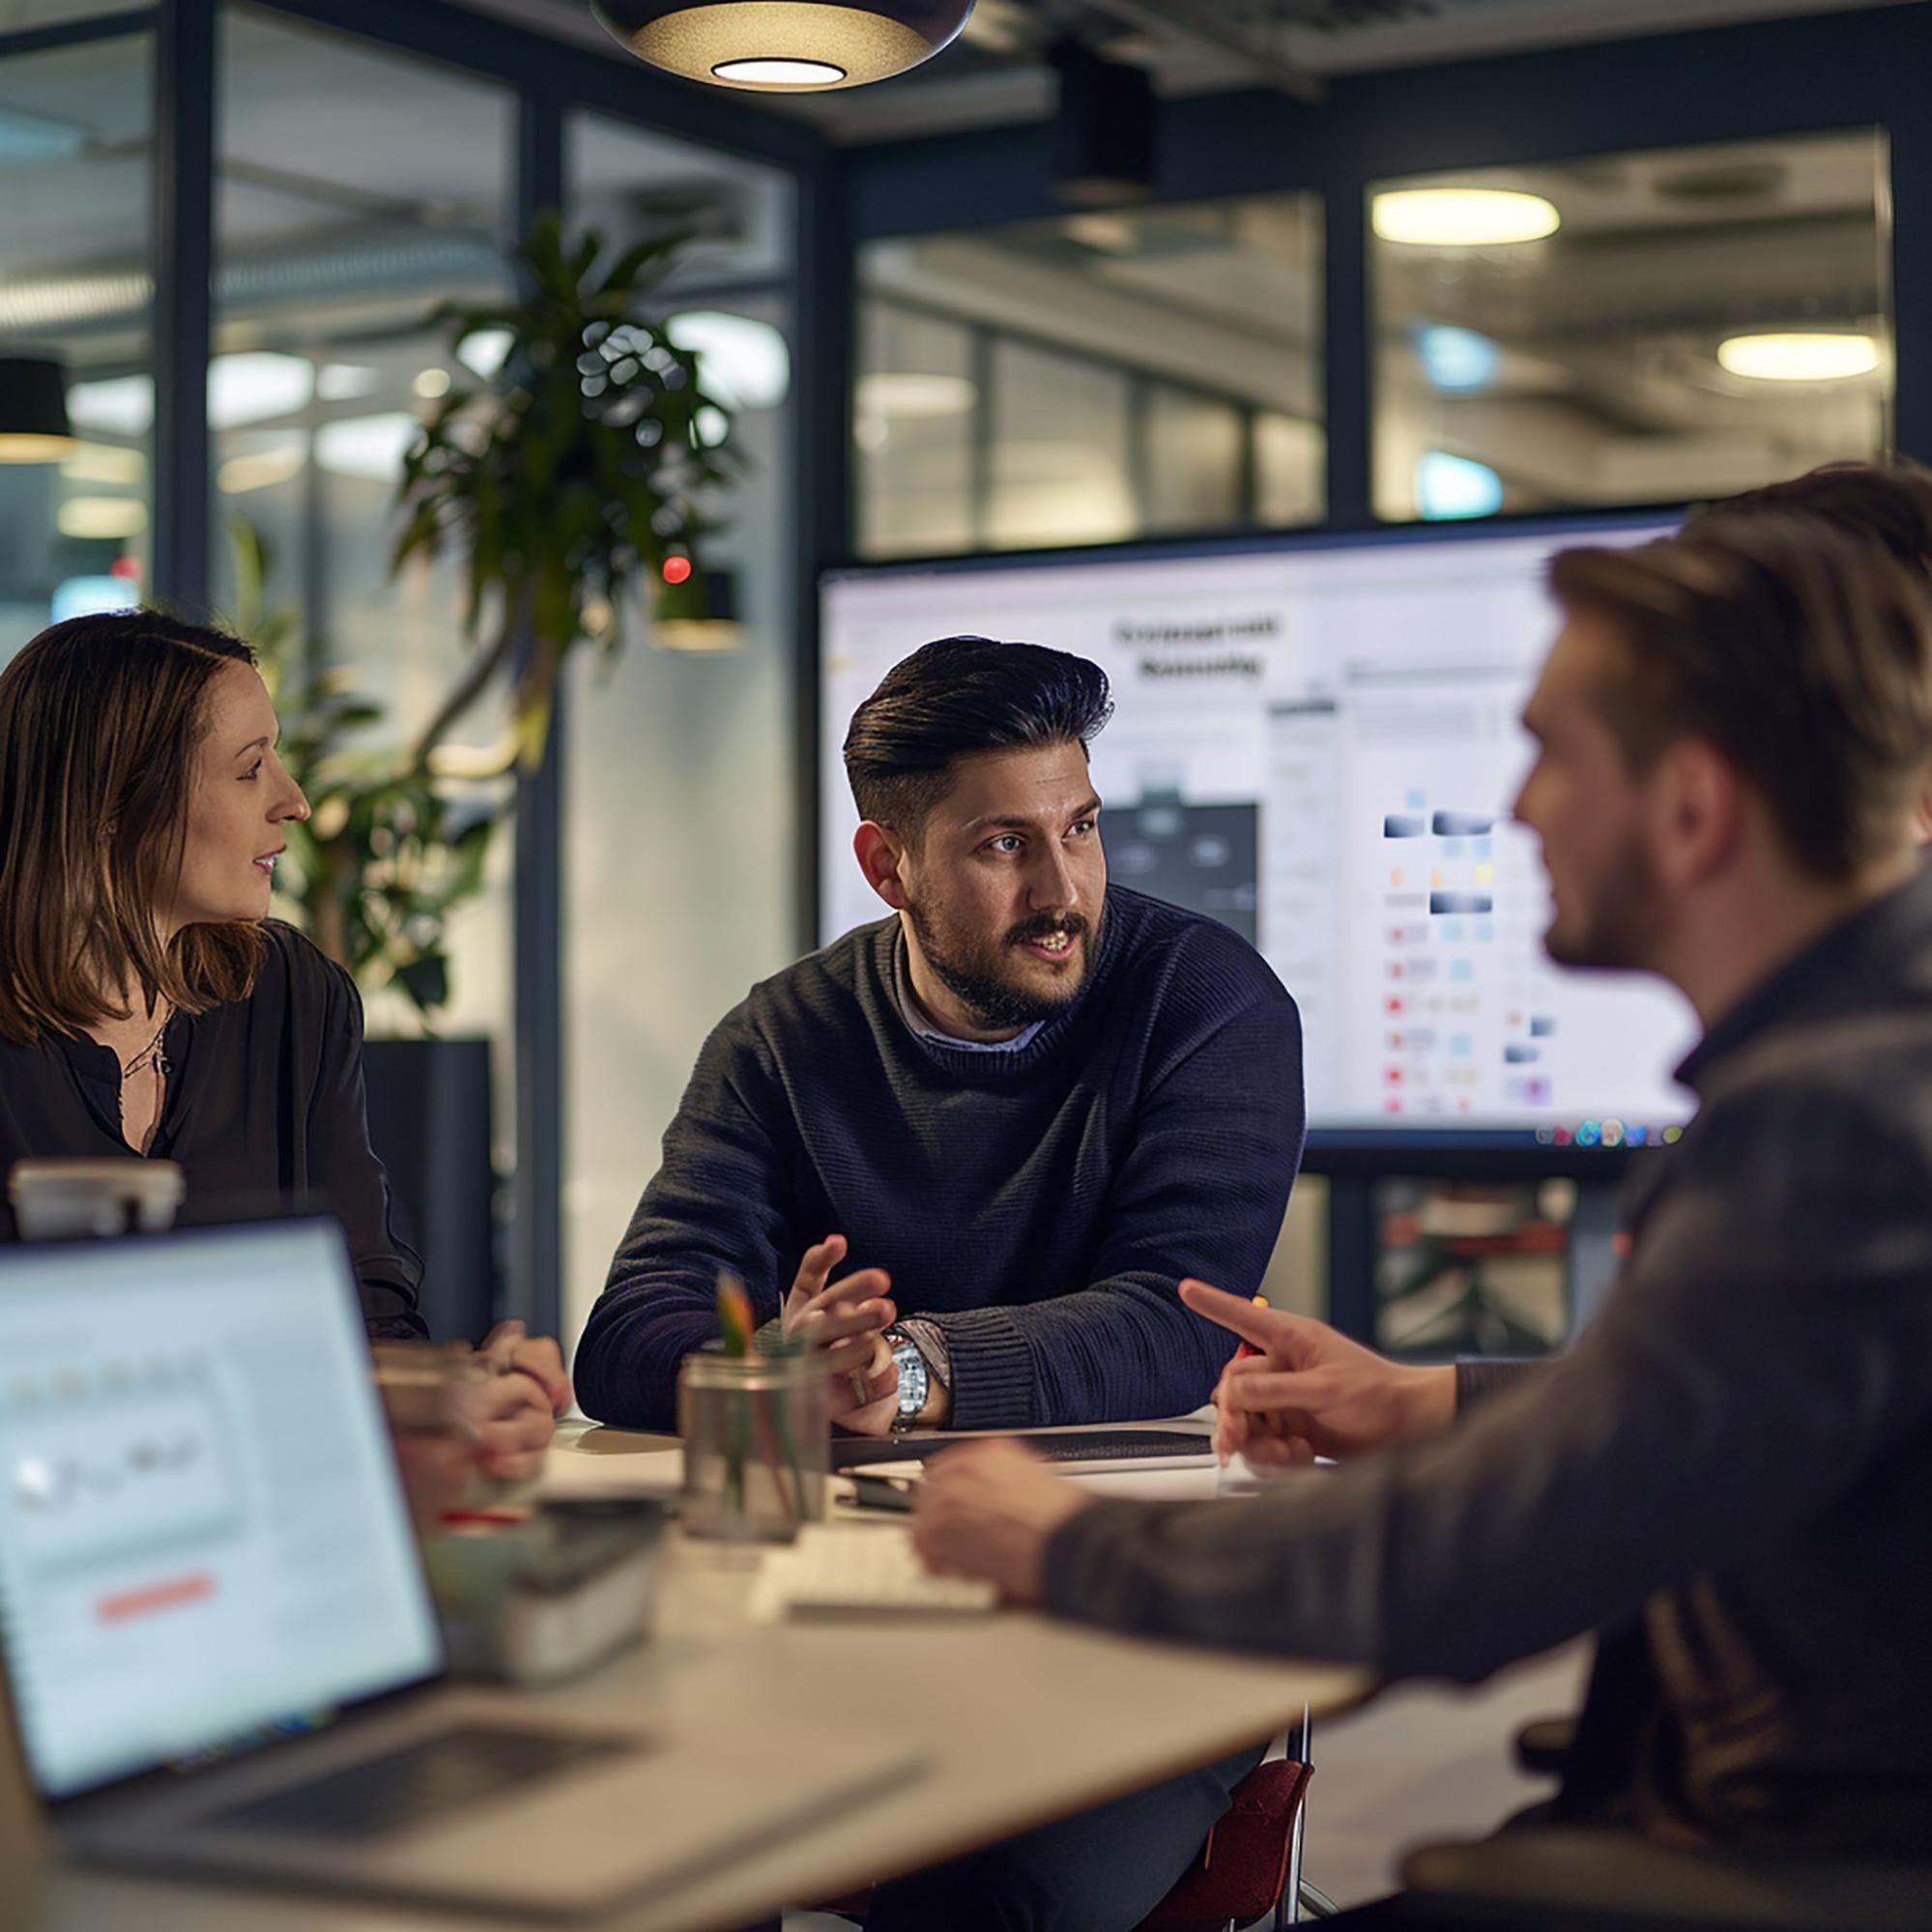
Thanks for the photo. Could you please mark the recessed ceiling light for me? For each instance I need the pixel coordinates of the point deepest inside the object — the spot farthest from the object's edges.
(788, 73)
(1463, 218)
(102, 517)
(794, 46)
(104, 463)
(1800, 356)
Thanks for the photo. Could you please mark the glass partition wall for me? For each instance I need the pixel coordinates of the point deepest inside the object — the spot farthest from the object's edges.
(1628, 328)
(1092, 377)
(682, 788)
(349, 171)
(76, 288)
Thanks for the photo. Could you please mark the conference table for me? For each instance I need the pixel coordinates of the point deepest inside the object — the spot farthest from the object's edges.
(1013, 1718)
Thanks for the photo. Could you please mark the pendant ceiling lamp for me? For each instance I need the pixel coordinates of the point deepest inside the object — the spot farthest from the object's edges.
(784, 47)
(33, 411)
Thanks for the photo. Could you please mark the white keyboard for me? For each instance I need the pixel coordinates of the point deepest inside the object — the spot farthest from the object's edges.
(858, 1567)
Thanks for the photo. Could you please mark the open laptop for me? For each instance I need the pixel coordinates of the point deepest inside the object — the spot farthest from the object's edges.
(219, 1646)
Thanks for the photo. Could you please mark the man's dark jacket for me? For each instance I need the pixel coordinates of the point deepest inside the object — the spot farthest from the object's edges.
(1736, 1458)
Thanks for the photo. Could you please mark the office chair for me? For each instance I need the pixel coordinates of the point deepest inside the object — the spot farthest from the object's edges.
(1250, 1870)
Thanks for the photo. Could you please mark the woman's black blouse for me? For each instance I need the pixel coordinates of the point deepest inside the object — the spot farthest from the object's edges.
(264, 1113)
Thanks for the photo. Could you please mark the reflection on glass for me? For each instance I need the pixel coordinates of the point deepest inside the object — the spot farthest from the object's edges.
(914, 421)
(1630, 328)
(679, 781)
(76, 287)
(1094, 377)
(1060, 465)
(357, 188)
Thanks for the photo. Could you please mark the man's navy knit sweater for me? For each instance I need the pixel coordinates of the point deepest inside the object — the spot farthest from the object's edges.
(1039, 1206)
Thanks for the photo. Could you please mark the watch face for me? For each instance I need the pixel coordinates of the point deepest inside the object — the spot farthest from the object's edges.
(912, 1379)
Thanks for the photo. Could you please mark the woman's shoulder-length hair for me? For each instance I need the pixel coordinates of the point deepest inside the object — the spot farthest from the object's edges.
(101, 719)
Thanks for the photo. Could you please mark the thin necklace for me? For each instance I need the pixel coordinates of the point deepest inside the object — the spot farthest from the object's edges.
(150, 1054)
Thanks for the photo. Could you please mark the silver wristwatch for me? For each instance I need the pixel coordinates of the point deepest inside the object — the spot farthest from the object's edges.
(919, 1352)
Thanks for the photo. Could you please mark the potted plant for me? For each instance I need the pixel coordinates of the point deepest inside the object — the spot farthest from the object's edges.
(569, 484)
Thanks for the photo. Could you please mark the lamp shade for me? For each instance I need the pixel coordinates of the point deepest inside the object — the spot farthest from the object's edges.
(33, 411)
(784, 47)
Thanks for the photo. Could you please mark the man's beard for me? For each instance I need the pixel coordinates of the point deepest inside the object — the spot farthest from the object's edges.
(972, 971)
(1618, 930)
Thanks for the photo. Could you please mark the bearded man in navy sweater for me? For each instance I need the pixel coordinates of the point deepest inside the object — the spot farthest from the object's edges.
(1018, 1110)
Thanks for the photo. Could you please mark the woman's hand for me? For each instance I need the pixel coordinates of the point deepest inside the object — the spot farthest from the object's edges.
(516, 1411)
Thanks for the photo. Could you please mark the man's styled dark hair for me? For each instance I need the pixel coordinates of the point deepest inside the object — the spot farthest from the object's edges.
(953, 698)
(1803, 654)
(1886, 503)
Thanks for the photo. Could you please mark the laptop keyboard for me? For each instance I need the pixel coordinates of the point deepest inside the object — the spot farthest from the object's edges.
(419, 1783)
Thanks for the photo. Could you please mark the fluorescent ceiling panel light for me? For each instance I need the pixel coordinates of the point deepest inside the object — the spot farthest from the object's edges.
(102, 517)
(105, 463)
(902, 395)
(1800, 356)
(1463, 218)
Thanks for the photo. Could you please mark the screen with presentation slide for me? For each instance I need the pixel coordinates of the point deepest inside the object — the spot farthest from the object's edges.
(203, 1542)
(1317, 742)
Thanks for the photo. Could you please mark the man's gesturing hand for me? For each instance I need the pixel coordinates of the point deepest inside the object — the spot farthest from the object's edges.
(1309, 1391)
(987, 1509)
(843, 1324)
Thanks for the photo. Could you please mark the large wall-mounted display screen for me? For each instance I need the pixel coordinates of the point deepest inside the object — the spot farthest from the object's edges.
(1317, 741)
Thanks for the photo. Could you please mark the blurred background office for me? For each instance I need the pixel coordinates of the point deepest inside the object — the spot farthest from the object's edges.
(1105, 275)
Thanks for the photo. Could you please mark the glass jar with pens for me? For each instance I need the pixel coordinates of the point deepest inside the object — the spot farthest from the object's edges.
(756, 1422)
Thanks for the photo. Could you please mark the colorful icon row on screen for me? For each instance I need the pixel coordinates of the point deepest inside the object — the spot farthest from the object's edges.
(1608, 1134)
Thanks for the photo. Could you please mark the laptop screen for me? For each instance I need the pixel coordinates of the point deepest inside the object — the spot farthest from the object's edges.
(203, 1540)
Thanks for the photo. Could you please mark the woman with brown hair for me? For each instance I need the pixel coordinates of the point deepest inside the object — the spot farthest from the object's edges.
(148, 1004)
